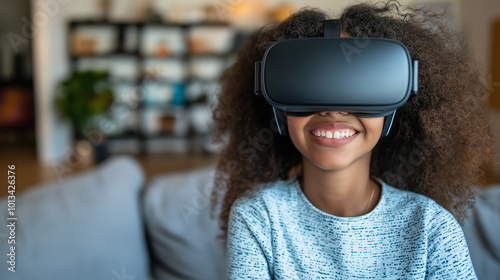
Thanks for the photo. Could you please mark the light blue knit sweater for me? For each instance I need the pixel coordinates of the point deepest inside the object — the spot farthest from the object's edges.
(279, 234)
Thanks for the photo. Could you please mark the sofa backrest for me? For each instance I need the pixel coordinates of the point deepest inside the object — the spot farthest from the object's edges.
(88, 226)
(181, 232)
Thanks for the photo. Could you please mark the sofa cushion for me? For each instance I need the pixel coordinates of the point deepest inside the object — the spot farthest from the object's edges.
(181, 232)
(481, 230)
(85, 227)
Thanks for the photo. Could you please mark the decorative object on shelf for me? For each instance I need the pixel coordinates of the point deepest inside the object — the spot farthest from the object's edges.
(155, 36)
(151, 15)
(157, 96)
(179, 99)
(206, 68)
(83, 45)
(167, 124)
(88, 41)
(211, 12)
(146, 11)
(105, 7)
(210, 40)
(82, 96)
(162, 49)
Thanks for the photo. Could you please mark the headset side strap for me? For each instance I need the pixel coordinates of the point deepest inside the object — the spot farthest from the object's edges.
(388, 120)
(278, 123)
(415, 76)
(257, 80)
(332, 28)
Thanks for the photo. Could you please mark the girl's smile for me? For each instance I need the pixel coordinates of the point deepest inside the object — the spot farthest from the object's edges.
(335, 140)
(331, 134)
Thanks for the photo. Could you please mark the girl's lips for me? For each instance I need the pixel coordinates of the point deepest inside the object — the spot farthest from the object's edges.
(333, 134)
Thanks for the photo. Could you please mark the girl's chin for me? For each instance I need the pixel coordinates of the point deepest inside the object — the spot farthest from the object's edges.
(331, 165)
(337, 162)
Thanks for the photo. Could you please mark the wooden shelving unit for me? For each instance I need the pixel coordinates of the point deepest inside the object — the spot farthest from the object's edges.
(139, 55)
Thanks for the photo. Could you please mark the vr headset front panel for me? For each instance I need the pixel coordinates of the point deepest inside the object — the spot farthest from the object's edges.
(314, 74)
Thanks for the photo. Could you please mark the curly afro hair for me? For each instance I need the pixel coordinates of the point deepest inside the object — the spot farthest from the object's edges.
(440, 141)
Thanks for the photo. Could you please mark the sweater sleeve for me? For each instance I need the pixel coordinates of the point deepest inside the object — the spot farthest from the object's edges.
(447, 252)
(246, 258)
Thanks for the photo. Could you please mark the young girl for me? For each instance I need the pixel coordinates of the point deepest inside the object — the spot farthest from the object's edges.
(369, 206)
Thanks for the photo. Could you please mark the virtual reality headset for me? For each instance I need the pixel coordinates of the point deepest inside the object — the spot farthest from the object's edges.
(368, 77)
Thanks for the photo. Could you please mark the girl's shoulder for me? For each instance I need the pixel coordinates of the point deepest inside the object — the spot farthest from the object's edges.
(273, 192)
(266, 196)
(415, 204)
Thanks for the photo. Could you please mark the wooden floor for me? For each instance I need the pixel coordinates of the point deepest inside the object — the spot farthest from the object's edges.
(29, 172)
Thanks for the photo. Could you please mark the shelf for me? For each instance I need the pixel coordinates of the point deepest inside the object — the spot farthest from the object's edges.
(130, 135)
(142, 56)
(165, 106)
(140, 80)
(91, 22)
(125, 135)
(16, 82)
(105, 55)
(166, 136)
(186, 80)
(116, 80)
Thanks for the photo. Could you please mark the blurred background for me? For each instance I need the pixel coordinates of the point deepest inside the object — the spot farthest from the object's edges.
(81, 81)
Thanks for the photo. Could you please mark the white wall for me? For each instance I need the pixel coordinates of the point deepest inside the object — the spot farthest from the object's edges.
(478, 24)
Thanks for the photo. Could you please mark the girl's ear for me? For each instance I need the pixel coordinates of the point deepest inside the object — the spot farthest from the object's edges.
(281, 123)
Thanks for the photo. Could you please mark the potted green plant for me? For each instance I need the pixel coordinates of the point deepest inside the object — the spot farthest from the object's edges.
(82, 96)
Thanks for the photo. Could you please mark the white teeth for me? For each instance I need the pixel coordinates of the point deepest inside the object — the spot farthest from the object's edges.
(335, 135)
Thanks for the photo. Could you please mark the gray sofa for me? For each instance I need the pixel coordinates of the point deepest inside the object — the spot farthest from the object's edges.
(108, 224)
